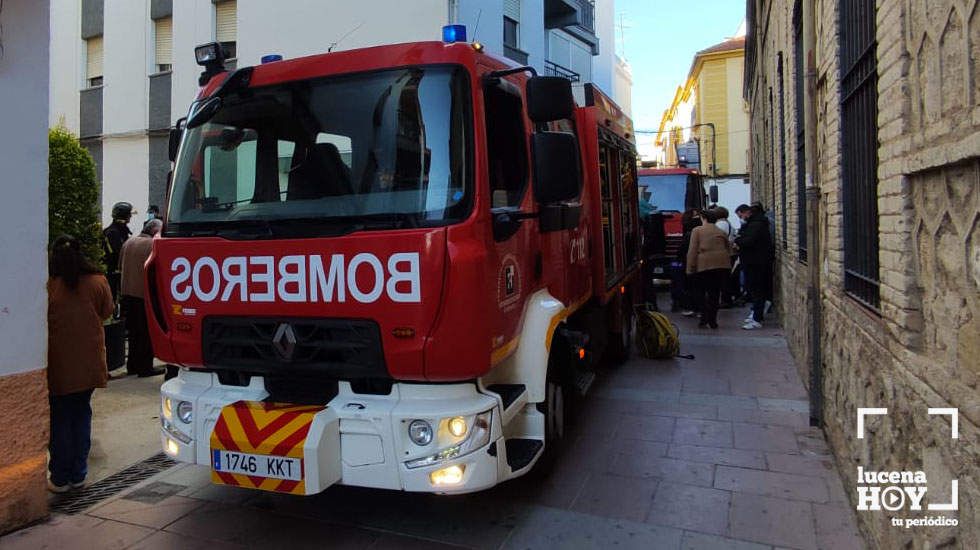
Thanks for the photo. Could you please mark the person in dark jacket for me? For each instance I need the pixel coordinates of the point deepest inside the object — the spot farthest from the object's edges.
(683, 290)
(113, 238)
(755, 253)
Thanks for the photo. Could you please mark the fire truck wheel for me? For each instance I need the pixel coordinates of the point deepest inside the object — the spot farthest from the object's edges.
(621, 343)
(554, 408)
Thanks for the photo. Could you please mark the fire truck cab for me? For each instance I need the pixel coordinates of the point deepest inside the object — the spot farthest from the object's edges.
(669, 192)
(389, 267)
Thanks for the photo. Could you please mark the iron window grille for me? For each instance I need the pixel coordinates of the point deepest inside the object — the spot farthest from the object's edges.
(798, 62)
(783, 211)
(859, 150)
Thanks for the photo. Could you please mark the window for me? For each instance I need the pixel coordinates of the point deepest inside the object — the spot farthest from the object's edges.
(510, 33)
(93, 61)
(226, 26)
(859, 149)
(512, 17)
(781, 125)
(800, 134)
(164, 41)
(506, 146)
(306, 158)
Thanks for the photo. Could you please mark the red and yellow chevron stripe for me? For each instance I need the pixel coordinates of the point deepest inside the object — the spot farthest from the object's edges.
(275, 429)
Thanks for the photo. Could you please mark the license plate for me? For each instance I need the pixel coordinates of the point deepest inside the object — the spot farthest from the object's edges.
(276, 467)
(658, 270)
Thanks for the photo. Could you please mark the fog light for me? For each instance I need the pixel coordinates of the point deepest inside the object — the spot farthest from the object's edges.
(168, 408)
(420, 432)
(457, 426)
(185, 411)
(450, 475)
(172, 448)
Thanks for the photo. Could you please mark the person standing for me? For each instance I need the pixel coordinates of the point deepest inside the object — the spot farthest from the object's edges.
(132, 260)
(113, 237)
(79, 300)
(755, 253)
(708, 264)
(680, 290)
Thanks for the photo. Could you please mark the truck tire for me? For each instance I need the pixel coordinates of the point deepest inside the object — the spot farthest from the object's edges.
(621, 343)
(555, 411)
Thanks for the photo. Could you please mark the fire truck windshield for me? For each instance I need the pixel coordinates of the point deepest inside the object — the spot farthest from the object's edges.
(666, 192)
(314, 157)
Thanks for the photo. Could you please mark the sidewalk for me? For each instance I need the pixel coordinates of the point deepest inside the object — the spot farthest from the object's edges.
(125, 424)
(707, 453)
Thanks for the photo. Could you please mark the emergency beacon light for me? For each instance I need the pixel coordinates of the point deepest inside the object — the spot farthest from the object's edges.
(454, 33)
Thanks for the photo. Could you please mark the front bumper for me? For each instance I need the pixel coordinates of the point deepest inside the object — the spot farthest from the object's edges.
(358, 439)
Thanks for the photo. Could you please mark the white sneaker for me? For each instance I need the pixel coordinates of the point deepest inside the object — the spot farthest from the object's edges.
(687, 313)
(751, 324)
(58, 488)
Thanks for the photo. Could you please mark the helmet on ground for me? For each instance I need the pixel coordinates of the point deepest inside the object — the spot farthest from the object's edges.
(122, 211)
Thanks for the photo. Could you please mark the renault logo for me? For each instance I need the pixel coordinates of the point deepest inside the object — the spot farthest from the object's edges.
(284, 341)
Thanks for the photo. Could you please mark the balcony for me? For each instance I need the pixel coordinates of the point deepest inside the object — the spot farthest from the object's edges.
(576, 17)
(554, 69)
(515, 54)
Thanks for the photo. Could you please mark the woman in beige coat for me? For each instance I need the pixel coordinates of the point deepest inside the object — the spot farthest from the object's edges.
(708, 264)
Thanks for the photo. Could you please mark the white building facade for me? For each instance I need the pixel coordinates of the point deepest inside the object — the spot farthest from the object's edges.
(122, 71)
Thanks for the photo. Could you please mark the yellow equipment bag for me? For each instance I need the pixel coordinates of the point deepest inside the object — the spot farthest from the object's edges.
(657, 335)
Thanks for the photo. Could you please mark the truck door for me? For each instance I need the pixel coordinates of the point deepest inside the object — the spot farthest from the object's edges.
(514, 258)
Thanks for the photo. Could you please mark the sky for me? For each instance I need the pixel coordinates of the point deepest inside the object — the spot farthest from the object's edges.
(659, 39)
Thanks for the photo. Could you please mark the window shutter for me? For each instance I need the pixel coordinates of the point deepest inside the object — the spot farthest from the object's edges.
(512, 9)
(93, 63)
(164, 41)
(226, 22)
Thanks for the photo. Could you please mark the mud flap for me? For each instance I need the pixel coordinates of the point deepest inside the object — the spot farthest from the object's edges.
(257, 433)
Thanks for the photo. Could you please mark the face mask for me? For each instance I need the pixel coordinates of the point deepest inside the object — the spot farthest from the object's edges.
(150, 216)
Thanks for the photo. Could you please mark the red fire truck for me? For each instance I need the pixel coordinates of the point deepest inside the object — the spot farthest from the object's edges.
(670, 192)
(389, 267)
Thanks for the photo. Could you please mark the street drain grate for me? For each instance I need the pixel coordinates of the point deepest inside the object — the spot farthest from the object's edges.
(77, 501)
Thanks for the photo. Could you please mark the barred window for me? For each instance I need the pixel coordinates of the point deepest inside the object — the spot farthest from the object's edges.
(783, 211)
(859, 149)
(799, 83)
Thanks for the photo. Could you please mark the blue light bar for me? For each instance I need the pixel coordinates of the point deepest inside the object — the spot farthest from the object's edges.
(270, 58)
(454, 33)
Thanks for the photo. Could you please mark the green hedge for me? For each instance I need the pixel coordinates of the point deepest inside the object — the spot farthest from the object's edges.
(73, 193)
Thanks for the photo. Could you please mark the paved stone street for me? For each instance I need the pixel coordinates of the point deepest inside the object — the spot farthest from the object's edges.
(710, 453)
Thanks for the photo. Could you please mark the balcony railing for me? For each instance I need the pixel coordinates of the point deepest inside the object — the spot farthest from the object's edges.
(554, 69)
(568, 13)
(587, 9)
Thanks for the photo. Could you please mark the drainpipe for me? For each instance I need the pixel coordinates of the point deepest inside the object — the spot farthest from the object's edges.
(813, 293)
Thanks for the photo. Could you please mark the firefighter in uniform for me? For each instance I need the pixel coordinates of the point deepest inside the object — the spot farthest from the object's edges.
(113, 238)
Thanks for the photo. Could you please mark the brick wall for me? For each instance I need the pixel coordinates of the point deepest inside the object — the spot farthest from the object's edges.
(923, 349)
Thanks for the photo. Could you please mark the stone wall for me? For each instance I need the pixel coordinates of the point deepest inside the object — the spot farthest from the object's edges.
(922, 349)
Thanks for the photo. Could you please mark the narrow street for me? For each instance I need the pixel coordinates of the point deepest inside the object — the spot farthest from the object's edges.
(714, 452)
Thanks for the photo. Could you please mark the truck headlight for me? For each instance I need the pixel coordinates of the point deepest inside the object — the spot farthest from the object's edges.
(185, 411)
(478, 436)
(420, 432)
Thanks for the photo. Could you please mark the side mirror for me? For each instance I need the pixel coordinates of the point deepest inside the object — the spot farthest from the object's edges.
(713, 193)
(549, 98)
(557, 175)
(176, 133)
